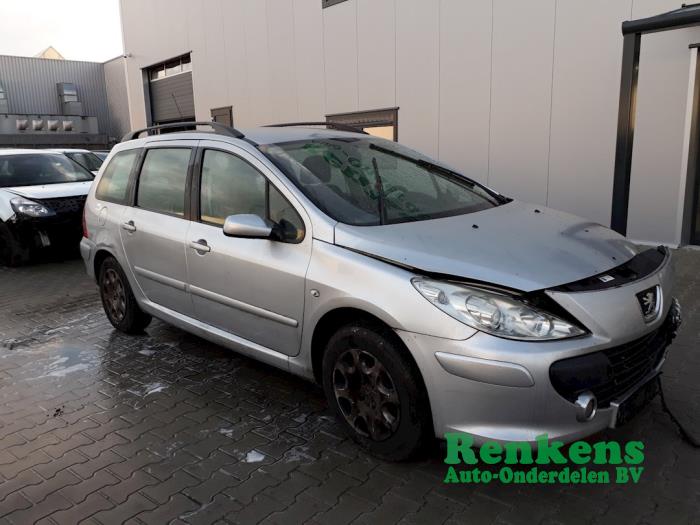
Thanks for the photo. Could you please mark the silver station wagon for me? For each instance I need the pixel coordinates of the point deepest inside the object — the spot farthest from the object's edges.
(422, 301)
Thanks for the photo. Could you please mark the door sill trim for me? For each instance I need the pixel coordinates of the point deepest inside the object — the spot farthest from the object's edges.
(218, 336)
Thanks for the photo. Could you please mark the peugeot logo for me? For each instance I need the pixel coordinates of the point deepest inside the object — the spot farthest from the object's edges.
(649, 302)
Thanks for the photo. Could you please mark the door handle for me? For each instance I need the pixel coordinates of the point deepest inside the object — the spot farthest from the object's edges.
(200, 246)
(129, 226)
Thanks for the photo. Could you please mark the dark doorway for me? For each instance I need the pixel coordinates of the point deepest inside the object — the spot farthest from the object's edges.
(695, 218)
(223, 116)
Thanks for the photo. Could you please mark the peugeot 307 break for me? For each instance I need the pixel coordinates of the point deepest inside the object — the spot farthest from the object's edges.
(422, 301)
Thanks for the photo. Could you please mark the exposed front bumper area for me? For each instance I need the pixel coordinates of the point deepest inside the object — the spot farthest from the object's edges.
(505, 390)
(58, 232)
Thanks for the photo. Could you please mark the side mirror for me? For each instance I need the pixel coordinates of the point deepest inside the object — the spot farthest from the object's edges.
(248, 226)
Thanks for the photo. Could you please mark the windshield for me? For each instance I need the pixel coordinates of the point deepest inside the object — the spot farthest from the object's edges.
(369, 181)
(35, 170)
(87, 160)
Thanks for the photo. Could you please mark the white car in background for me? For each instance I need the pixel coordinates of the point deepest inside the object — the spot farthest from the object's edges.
(42, 194)
(86, 158)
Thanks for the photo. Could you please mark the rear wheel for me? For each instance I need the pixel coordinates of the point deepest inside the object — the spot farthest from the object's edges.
(377, 391)
(118, 300)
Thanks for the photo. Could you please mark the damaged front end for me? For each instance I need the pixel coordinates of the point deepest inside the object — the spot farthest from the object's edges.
(40, 225)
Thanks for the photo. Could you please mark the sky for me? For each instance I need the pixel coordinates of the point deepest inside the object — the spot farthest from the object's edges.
(78, 29)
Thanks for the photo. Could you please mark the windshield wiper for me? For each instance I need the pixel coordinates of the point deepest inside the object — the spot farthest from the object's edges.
(379, 187)
(430, 166)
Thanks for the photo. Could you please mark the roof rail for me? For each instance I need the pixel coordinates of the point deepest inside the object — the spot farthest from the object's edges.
(218, 128)
(329, 124)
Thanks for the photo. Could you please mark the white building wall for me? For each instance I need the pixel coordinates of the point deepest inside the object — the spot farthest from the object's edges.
(520, 95)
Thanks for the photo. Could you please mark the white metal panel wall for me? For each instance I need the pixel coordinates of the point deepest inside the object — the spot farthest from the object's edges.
(465, 85)
(658, 142)
(376, 54)
(283, 87)
(308, 44)
(258, 62)
(208, 40)
(523, 43)
(521, 95)
(418, 74)
(340, 56)
(586, 87)
(233, 63)
(153, 32)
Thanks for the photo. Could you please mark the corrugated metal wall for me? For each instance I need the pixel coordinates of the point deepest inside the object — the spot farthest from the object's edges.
(31, 86)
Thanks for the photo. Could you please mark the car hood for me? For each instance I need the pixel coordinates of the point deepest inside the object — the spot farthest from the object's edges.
(52, 191)
(516, 245)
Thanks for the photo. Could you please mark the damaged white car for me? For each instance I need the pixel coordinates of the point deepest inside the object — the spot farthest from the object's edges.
(42, 195)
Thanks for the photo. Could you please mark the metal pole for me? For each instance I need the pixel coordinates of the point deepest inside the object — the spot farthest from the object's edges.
(625, 132)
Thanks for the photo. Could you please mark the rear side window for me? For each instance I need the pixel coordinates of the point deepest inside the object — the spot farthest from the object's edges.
(114, 184)
(163, 180)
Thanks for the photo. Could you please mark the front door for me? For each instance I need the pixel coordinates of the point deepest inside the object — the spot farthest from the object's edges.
(154, 230)
(253, 288)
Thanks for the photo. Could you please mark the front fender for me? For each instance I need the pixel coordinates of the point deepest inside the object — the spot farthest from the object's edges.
(340, 278)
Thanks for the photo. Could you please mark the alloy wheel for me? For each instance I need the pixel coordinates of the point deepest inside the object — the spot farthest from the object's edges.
(114, 295)
(366, 394)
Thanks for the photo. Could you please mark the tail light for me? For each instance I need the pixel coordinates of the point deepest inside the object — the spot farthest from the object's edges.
(86, 233)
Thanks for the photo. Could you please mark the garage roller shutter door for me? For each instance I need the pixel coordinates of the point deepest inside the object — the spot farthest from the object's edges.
(172, 98)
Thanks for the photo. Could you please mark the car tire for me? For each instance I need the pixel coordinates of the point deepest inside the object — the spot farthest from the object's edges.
(12, 253)
(118, 300)
(377, 391)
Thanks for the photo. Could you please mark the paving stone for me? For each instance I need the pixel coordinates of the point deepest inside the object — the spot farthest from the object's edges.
(93, 504)
(38, 493)
(347, 510)
(119, 492)
(167, 427)
(177, 506)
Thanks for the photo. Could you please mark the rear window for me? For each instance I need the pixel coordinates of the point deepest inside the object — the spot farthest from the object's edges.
(163, 179)
(114, 184)
(39, 169)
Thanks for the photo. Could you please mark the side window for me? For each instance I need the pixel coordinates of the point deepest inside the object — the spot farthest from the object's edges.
(231, 186)
(163, 179)
(113, 185)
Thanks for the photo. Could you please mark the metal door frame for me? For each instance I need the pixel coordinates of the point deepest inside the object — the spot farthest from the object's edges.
(632, 31)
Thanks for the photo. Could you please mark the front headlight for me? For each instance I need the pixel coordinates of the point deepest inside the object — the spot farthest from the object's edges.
(30, 208)
(495, 313)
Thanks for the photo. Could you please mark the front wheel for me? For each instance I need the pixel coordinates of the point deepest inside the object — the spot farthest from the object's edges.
(12, 252)
(118, 300)
(377, 391)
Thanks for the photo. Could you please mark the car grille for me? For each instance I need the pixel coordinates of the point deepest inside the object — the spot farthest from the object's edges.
(611, 372)
(65, 205)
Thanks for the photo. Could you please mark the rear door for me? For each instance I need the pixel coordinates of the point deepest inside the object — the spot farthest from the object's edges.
(253, 288)
(112, 197)
(154, 229)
